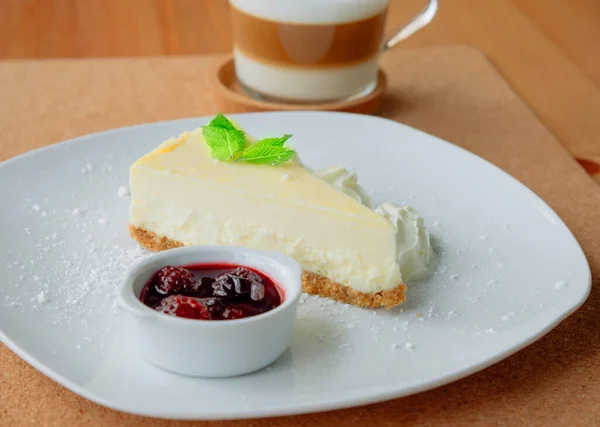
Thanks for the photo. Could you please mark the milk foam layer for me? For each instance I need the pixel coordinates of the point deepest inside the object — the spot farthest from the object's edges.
(312, 11)
(305, 85)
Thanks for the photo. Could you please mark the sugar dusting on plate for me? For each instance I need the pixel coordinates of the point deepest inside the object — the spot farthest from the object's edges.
(83, 284)
(80, 284)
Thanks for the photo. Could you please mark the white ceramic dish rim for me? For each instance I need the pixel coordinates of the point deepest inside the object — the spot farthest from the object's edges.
(533, 330)
(136, 307)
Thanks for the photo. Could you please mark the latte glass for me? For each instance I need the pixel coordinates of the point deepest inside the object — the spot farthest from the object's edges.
(313, 51)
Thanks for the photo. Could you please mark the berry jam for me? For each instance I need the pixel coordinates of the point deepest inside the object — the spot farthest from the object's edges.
(211, 292)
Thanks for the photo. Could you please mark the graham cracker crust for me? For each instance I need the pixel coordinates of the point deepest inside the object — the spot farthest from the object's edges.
(311, 283)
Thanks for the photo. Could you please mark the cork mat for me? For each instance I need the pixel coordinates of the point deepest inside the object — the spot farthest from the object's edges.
(453, 93)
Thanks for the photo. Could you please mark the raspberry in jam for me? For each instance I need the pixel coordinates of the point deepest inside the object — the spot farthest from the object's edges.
(211, 292)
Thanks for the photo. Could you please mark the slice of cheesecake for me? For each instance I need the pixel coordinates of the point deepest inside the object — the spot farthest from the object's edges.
(180, 196)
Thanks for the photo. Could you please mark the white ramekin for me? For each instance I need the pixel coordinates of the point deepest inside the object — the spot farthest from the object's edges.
(214, 348)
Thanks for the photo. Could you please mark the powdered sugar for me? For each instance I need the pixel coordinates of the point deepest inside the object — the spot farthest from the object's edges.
(560, 285)
(123, 191)
(508, 316)
(72, 263)
(94, 274)
(41, 297)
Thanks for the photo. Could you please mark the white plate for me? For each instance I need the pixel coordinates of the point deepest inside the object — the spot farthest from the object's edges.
(508, 271)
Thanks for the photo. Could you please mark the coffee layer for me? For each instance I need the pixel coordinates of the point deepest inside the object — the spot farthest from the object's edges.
(307, 45)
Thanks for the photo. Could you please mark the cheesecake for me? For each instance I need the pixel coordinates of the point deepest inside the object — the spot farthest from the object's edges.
(185, 192)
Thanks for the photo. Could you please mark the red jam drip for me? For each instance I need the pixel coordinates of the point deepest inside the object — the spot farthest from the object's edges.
(211, 292)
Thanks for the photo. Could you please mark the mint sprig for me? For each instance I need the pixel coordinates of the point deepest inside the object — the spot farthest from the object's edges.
(229, 144)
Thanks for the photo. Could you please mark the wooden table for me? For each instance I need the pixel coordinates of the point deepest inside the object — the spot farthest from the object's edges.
(549, 50)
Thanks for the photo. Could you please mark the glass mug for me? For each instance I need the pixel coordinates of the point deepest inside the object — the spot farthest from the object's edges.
(312, 51)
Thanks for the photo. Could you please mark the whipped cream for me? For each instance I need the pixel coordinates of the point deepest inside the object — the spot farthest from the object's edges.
(413, 245)
(345, 181)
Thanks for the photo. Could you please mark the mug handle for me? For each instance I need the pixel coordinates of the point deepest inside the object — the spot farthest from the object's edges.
(415, 24)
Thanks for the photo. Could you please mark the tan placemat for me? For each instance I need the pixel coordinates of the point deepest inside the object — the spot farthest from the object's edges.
(453, 93)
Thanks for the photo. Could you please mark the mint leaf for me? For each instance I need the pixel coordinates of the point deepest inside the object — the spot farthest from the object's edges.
(264, 152)
(274, 142)
(225, 144)
(221, 121)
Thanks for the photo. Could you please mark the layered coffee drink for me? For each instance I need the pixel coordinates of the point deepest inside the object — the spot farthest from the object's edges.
(307, 50)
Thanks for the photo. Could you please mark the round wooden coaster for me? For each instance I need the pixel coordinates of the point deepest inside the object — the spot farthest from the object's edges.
(233, 98)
